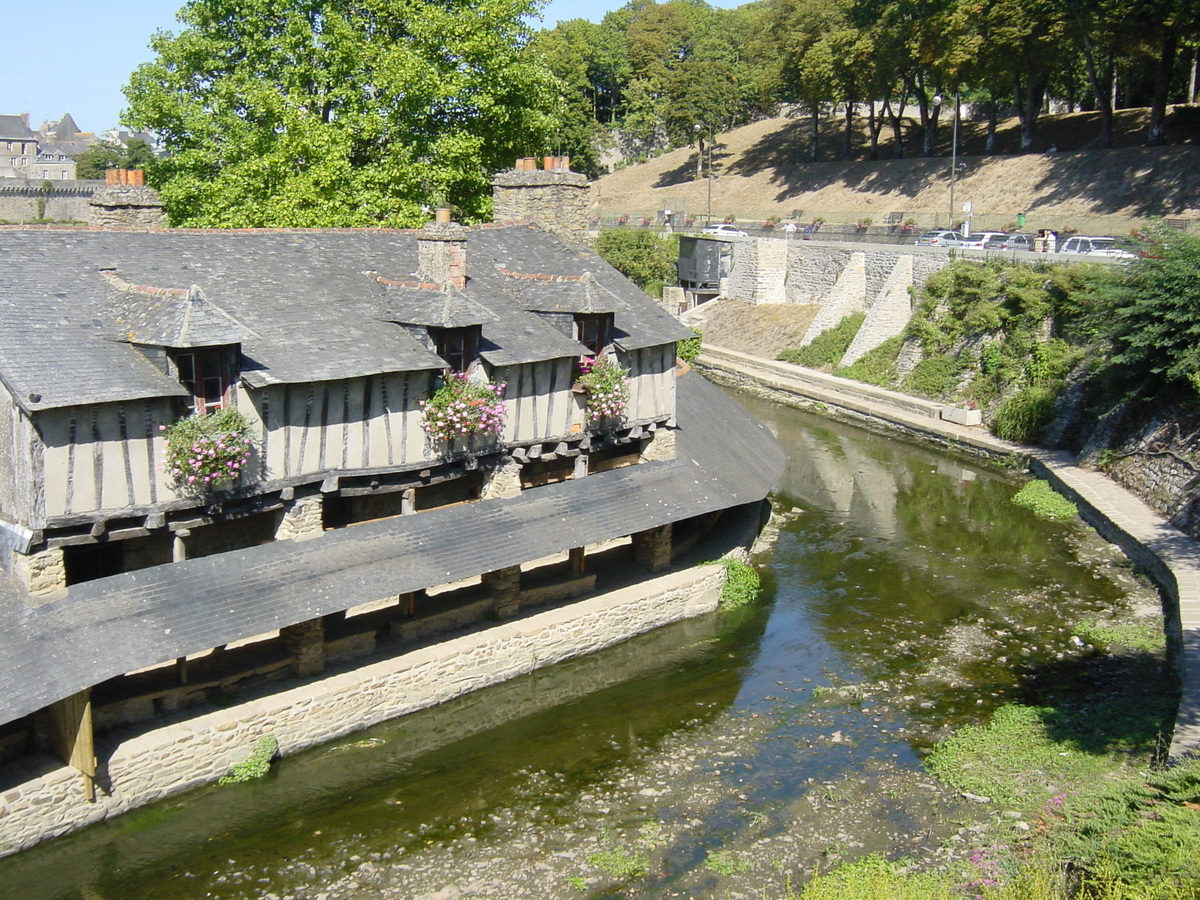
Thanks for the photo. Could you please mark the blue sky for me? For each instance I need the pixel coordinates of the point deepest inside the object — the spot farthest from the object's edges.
(75, 55)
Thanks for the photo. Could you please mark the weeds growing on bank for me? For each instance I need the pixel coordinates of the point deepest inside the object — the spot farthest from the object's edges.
(742, 584)
(1044, 502)
(828, 348)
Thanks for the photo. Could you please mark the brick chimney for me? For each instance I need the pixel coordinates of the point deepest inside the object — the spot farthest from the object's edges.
(554, 197)
(126, 201)
(442, 252)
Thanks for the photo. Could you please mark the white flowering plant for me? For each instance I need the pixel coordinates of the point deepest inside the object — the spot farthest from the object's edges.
(605, 387)
(460, 408)
(208, 451)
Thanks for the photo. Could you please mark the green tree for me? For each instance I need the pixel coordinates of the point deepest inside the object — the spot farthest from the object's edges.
(1151, 309)
(102, 155)
(340, 112)
(645, 258)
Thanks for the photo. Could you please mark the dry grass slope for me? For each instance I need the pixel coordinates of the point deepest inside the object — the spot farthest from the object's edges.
(761, 173)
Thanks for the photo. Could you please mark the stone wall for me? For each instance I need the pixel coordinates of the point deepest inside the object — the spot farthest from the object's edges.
(198, 751)
(65, 201)
(759, 271)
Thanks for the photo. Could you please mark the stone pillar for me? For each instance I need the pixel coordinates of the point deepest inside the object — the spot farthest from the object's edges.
(408, 502)
(41, 573)
(179, 545)
(503, 481)
(581, 465)
(306, 642)
(505, 587)
(652, 548)
(661, 446)
(302, 520)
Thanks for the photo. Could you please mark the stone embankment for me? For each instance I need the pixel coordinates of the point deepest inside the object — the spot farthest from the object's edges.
(200, 750)
(1120, 516)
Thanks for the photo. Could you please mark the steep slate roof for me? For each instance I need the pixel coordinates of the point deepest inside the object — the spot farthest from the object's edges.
(306, 302)
(13, 128)
(107, 627)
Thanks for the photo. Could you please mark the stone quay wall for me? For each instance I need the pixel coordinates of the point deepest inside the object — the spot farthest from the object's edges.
(62, 201)
(201, 750)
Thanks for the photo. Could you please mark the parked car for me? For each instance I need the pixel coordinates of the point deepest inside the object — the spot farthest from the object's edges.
(1009, 242)
(1097, 246)
(940, 239)
(725, 229)
(979, 239)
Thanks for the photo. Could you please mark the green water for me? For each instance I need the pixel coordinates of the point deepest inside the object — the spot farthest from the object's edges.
(892, 565)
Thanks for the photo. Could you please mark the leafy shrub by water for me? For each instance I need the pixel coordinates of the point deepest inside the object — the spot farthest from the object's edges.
(742, 583)
(1044, 502)
(935, 377)
(876, 366)
(828, 347)
(1023, 416)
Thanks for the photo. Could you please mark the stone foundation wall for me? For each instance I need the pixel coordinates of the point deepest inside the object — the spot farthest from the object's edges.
(201, 750)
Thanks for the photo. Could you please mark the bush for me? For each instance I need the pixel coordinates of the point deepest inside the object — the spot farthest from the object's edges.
(742, 584)
(1150, 309)
(1023, 416)
(935, 377)
(688, 350)
(877, 366)
(642, 256)
(828, 348)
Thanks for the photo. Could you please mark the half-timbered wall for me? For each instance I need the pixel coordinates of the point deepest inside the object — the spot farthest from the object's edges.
(110, 456)
(20, 462)
(107, 456)
(651, 383)
(358, 423)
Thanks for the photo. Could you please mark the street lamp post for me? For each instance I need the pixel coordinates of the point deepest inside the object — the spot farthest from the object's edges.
(953, 153)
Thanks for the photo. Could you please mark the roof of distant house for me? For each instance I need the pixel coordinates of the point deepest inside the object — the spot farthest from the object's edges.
(14, 128)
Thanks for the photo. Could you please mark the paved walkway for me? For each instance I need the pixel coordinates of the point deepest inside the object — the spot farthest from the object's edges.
(1120, 516)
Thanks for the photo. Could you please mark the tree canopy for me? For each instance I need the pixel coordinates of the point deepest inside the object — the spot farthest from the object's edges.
(340, 112)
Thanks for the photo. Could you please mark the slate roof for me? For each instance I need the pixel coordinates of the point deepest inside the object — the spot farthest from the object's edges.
(13, 128)
(306, 302)
(114, 625)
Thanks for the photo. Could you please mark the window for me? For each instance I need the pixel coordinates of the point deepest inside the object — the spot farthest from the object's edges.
(63, 174)
(45, 173)
(594, 332)
(208, 376)
(458, 346)
(13, 162)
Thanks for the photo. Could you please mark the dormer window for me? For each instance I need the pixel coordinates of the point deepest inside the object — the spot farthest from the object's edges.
(594, 331)
(459, 347)
(207, 373)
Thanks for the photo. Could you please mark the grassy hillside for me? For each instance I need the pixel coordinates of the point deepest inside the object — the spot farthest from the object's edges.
(762, 171)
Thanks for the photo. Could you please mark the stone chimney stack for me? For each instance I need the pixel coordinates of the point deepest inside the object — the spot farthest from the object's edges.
(126, 201)
(442, 252)
(554, 197)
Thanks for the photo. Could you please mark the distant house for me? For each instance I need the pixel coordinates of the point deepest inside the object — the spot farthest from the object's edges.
(331, 343)
(18, 146)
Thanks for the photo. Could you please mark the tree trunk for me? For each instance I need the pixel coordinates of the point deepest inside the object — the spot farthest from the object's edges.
(848, 135)
(1162, 86)
(896, 120)
(816, 131)
(1102, 91)
(874, 126)
(929, 122)
(989, 146)
(1030, 95)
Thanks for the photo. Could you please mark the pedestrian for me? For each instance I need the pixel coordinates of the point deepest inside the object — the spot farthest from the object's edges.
(789, 229)
(1051, 242)
(1039, 241)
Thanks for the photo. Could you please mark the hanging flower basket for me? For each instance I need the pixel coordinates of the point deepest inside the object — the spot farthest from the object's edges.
(605, 387)
(460, 408)
(208, 452)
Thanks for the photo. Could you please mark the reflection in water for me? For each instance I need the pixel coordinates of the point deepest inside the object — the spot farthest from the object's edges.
(899, 561)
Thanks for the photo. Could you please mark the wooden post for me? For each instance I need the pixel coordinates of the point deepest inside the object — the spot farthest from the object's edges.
(72, 738)
(577, 556)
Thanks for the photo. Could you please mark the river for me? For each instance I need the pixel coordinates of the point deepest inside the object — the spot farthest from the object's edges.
(728, 756)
